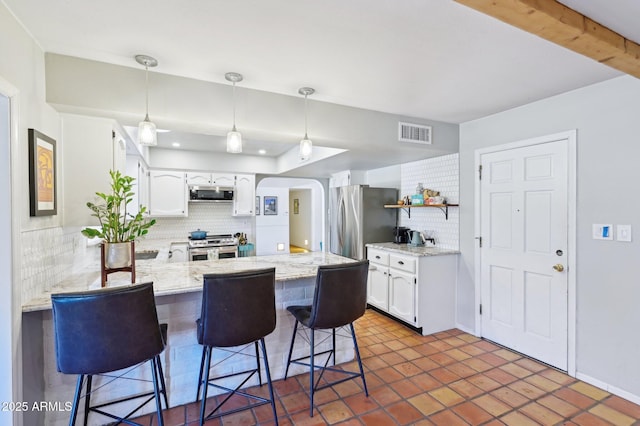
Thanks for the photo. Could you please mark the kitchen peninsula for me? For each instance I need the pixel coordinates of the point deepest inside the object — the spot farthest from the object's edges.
(178, 289)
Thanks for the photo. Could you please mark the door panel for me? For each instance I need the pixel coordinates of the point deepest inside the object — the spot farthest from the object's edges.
(523, 202)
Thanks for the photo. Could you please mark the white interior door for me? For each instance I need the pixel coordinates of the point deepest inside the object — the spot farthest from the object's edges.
(524, 229)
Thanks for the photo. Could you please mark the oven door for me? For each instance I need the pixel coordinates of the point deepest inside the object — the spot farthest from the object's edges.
(227, 252)
(200, 253)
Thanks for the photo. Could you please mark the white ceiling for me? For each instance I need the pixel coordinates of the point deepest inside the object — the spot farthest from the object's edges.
(433, 59)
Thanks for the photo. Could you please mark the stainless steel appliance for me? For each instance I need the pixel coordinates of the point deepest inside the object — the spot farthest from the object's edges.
(225, 244)
(210, 194)
(358, 217)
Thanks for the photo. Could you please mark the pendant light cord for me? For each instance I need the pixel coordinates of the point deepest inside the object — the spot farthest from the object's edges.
(146, 73)
(305, 117)
(234, 106)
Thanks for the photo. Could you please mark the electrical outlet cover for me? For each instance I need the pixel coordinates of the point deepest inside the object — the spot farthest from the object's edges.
(623, 233)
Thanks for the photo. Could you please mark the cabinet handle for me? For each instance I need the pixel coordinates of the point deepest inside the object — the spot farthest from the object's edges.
(377, 257)
(400, 262)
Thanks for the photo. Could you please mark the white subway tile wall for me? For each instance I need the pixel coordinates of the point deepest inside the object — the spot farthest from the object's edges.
(215, 218)
(48, 257)
(440, 174)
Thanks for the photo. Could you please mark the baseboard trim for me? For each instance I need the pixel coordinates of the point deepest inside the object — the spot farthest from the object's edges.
(609, 388)
(388, 315)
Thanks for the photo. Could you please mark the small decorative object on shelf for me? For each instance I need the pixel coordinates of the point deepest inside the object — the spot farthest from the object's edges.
(118, 228)
(419, 188)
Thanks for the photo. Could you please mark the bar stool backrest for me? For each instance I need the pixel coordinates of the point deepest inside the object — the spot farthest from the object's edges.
(237, 308)
(105, 330)
(340, 296)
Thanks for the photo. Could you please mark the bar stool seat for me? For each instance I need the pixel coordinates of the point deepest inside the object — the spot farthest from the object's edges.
(340, 298)
(238, 311)
(102, 331)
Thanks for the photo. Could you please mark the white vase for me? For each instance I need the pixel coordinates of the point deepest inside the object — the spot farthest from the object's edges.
(117, 255)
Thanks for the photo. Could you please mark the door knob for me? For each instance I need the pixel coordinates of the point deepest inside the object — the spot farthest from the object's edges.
(558, 267)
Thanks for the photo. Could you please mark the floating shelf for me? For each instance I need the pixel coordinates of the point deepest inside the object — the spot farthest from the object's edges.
(444, 208)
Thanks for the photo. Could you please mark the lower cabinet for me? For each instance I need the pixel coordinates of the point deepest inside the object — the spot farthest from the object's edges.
(419, 290)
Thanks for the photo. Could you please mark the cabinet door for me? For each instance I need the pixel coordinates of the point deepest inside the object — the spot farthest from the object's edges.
(223, 179)
(195, 178)
(167, 193)
(244, 197)
(402, 292)
(143, 185)
(378, 287)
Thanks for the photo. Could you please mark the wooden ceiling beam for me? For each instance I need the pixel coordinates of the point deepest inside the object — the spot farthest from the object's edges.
(564, 26)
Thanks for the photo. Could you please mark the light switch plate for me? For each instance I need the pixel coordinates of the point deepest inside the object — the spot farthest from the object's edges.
(623, 233)
(602, 231)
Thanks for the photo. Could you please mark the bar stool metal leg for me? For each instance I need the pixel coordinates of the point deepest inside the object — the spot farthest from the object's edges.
(312, 384)
(87, 399)
(269, 383)
(76, 400)
(293, 341)
(355, 346)
(204, 355)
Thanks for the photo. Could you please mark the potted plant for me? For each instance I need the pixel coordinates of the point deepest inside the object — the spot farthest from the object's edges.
(118, 228)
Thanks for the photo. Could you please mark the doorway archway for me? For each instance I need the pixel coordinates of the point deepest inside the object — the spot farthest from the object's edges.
(273, 230)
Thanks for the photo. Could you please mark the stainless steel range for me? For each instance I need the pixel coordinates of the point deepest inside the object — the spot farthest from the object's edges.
(226, 246)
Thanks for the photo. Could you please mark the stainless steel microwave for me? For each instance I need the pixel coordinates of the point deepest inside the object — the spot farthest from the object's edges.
(210, 194)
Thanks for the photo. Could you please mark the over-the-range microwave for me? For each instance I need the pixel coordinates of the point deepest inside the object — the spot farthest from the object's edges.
(210, 194)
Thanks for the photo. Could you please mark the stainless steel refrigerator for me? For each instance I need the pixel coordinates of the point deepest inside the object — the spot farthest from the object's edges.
(357, 216)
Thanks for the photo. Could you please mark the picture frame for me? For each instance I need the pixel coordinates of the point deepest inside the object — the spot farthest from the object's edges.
(296, 206)
(42, 175)
(270, 205)
(257, 205)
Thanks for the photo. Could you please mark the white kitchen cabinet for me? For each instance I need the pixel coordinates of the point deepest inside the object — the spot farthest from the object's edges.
(167, 193)
(198, 178)
(402, 295)
(178, 252)
(223, 179)
(419, 290)
(136, 168)
(244, 197)
(392, 284)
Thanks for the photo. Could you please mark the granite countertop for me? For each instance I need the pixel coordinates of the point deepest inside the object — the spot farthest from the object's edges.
(184, 277)
(412, 250)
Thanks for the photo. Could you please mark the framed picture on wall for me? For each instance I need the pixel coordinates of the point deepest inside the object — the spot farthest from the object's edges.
(257, 205)
(296, 206)
(270, 205)
(42, 175)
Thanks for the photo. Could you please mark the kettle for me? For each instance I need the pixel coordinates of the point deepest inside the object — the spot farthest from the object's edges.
(417, 239)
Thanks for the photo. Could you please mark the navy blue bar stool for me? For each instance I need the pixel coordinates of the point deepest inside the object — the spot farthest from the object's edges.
(102, 331)
(238, 309)
(340, 298)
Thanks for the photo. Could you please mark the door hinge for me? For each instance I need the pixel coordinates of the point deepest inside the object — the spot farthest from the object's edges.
(415, 319)
(480, 172)
(481, 309)
(415, 280)
(479, 241)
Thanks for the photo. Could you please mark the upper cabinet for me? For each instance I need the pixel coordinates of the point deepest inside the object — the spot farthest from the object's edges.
(198, 178)
(244, 198)
(167, 193)
(223, 179)
(347, 177)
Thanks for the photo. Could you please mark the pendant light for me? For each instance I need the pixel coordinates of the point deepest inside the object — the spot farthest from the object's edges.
(234, 137)
(146, 128)
(306, 146)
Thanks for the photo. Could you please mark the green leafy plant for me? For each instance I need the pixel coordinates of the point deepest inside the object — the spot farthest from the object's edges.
(118, 225)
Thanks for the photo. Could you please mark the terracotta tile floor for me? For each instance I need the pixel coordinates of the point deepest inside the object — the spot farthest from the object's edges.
(449, 378)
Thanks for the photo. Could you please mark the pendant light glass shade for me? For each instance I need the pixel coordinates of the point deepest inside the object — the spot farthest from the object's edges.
(234, 137)
(234, 141)
(306, 146)
(147, 134)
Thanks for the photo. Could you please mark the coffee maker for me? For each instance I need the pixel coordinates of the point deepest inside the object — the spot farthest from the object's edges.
(400, 235)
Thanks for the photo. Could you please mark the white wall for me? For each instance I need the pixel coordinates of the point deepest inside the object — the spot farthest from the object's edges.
(301, 225)
(21, 74)
(272, 230)
(384, 177)
(439, 174)
(605, 116)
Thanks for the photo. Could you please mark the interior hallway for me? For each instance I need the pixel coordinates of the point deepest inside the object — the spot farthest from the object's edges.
(450, 378)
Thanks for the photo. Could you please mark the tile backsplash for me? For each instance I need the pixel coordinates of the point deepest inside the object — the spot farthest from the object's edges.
(49, 256)
(214, 218)
(440, 174)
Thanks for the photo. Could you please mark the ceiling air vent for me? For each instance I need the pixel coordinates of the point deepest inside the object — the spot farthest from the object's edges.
(414, 133)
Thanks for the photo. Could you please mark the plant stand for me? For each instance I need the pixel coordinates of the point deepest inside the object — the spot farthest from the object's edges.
(106, 271)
